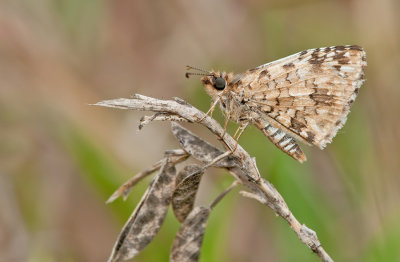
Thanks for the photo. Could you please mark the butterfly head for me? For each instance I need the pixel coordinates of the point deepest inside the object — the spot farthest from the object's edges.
(214, 82)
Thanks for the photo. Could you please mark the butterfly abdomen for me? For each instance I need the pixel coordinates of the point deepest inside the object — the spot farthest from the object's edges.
(282, 140)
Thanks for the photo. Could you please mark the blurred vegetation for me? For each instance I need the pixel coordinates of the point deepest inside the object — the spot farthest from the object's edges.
(60, 158)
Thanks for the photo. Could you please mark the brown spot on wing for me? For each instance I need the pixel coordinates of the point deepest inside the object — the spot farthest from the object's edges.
(320, 98)
(310, 137)
(303, 52)
(316, 62)
(296, 125)
(321, 91)
(263, 74)
(356, 47)
(341, 58)
(288, 66)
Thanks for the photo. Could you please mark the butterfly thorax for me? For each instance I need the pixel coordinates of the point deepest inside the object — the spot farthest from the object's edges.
(231, 98)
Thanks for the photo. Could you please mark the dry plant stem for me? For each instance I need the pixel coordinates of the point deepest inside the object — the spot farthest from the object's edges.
(159, 117)
(215, 160)
(174, 157)
(191, 114)
(247, 172)
(223, 194)
(266, 193)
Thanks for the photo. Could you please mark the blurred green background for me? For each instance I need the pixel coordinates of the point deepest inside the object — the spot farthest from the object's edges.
(60, 159)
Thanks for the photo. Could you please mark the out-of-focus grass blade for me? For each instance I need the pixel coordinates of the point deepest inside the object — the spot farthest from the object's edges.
(95, 164)
(303, 196)
(188, 241)
(187, 184)
(148, 216)
(385, 245)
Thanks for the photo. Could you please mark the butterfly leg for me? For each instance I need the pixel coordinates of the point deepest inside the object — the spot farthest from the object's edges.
(239, 132)
(236, 132)
(211, 110)
(227, 118)
(218, 158)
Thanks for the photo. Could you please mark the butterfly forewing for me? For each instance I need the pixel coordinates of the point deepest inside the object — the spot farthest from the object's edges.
(308, 94)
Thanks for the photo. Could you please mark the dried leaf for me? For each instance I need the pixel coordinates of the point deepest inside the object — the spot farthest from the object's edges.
(188, 240)
(174, 156)
(187, 184)
(198, 148)
(148, 216)
(128, 185)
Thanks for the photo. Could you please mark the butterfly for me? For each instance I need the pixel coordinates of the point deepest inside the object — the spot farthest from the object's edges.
(303, 97)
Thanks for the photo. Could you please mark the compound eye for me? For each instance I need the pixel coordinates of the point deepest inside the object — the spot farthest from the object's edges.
(219, 83)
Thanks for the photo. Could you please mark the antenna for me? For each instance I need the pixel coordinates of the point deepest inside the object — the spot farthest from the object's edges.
(202, 72)
(188, 74)
(188, 67)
